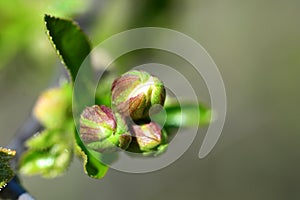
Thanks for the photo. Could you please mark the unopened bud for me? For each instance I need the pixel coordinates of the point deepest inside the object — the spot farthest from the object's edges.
(97, 123)
(52, 107)
(100, 131)
(148, 136)
(135, 92)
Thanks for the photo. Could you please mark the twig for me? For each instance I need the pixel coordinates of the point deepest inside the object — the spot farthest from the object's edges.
(29, 128)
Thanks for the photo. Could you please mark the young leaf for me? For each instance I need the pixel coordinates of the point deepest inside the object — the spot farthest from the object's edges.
(6, 173)
(50, 153)
(69, 41)
(44, 140)
(49, 164)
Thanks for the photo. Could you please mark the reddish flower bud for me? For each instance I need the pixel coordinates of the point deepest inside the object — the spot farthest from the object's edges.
(148, 136)
(135, 92)
(103, 131)
(96, 124)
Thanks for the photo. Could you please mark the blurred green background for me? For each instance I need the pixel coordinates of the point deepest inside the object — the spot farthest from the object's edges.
(254, 43)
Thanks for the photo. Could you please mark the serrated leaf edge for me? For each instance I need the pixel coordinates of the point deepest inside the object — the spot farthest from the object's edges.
(53, 44)
(11, 153)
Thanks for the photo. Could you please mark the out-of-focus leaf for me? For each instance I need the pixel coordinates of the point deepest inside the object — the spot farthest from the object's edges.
(6, 173)
(44, 140)
(50, 153)
(92, 166)
(49, 163)
(25, 17)
(69, 41)
(184, 115)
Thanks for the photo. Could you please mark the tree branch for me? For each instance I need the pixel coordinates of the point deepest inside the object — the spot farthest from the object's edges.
(28, 129)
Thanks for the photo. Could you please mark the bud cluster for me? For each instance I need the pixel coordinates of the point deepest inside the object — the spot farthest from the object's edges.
(127, 124)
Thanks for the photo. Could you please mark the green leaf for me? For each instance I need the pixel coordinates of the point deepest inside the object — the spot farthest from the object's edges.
(50, 153)
(92, 166)
(185, 115)
(49, 163)
(69, 41)
(44, 140)
(6, 173)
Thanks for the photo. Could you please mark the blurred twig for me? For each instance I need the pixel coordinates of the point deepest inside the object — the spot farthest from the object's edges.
(29, 128)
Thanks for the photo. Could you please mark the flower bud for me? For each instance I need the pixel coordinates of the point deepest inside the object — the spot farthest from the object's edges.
(103, 131)
(96, 124)
(53, 106)
(135, 92)
(148, 136)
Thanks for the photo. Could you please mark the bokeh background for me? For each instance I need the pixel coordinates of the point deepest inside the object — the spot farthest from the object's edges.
(254, 43)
